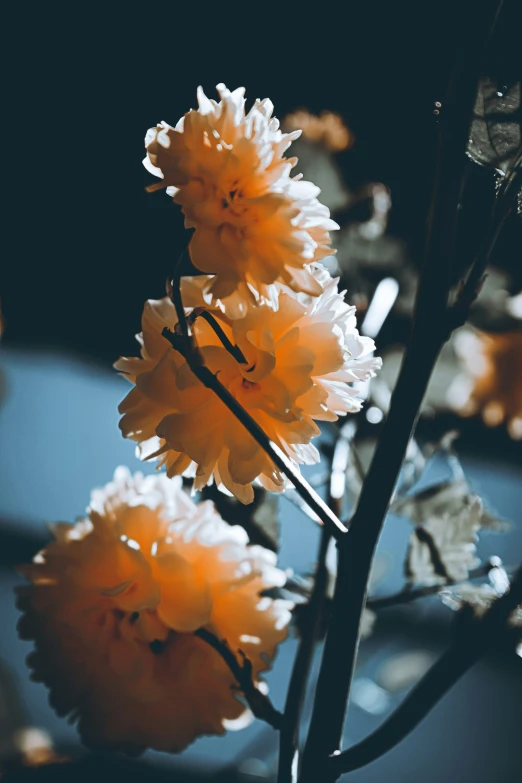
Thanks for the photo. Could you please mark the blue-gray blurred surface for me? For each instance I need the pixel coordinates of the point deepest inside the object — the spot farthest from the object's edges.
(59, 438)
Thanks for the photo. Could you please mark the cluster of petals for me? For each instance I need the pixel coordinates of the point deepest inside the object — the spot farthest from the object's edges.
(254, 224)
(290, 368)
(113, 604)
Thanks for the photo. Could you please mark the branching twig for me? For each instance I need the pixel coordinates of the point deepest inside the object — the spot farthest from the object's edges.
(258, 702)
(296, 693)
(408, 594)
(304, 657)
(187, 346)
(430, 331)
(474, 639)
(504, 204)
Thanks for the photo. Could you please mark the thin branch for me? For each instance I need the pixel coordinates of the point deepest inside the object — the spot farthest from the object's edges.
(258, 702)
(187, 346)
(289, 745)
(430, 331)
(233, 350)
(473, 640)
(408, 594)
(470, 288)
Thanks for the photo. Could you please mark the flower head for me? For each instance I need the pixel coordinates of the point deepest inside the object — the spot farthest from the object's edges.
(290, 369)
(253, 223)
(114, 601)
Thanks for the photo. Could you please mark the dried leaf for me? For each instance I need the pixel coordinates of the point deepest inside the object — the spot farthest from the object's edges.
(495, 136)
(450, 554)
(445, 498)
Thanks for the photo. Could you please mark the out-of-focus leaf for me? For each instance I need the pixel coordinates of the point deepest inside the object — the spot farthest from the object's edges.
(479, 598)
(495, 136)
(450, 497)
(446, 549)
(259, 518)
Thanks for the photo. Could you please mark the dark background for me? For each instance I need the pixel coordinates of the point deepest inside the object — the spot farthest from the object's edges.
(85, 245)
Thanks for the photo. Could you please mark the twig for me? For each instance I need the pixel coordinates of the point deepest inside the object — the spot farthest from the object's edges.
(233, 350)
(474, 639)
(504, 205)
(408, 594)
(258, 702)
(289, 748)
(187, 346)
(428, 336)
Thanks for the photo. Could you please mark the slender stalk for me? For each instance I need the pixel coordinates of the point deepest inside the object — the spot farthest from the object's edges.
(258, 702)
(504, 204)
(408, 594)
(473, 640)
(430, 331)
(355, 559)
(289, 743)
(233, 350)
(187, 346)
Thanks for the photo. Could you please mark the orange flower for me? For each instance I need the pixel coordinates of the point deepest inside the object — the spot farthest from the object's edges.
(113, 603)
(492, 382)
(291, 368)
(253, 223)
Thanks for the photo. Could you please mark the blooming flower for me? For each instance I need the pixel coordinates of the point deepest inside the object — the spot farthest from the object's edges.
(492, 380)
(253, 223)
(293, 370)
(114, 601)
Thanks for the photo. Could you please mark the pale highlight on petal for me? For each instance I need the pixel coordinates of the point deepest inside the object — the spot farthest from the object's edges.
(254, 224)
(299, 362)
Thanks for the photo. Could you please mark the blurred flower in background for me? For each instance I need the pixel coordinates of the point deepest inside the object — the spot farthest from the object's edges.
(491, 384)
(327, 128)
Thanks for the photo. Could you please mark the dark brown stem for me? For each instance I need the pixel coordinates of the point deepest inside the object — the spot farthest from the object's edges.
(289, 747)
(187, 346)
(472, 641)
(233, 350)
(430, 331)
(260, 704)
(289, 744)
(504, 205)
